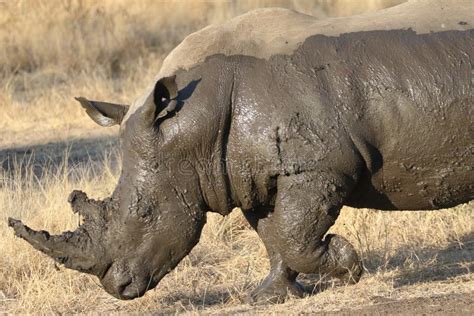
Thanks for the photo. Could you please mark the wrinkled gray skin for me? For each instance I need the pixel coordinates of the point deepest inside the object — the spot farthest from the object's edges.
(376, 119)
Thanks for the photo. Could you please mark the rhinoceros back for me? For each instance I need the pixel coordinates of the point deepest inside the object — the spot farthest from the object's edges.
(266, 32)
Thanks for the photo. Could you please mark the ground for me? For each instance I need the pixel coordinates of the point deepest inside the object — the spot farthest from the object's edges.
(414, 262)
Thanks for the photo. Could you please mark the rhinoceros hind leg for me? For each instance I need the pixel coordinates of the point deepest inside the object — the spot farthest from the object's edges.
(340, 260)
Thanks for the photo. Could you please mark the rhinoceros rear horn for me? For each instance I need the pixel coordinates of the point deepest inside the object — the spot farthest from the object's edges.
(104, 113)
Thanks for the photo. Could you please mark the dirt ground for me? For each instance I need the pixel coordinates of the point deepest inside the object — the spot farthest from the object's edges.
(439, 305)
(454, 304)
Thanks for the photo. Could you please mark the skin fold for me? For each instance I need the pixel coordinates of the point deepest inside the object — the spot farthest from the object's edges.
(370, 119)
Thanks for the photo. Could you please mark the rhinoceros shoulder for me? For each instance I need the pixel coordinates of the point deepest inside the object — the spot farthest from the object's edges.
(263, 33)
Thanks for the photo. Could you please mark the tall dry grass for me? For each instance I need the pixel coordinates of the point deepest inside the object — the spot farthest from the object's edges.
(51, 51)
(83, 35)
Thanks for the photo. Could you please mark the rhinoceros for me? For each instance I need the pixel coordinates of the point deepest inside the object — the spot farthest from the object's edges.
(288, 118)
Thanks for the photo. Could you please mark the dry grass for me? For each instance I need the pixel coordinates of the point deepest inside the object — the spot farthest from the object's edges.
(54, 50)
(78, 35)
(111, 49)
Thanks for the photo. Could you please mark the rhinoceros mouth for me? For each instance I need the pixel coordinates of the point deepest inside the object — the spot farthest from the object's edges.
(124, 285)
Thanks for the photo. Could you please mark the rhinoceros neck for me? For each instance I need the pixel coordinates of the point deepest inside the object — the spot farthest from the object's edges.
(194, 139)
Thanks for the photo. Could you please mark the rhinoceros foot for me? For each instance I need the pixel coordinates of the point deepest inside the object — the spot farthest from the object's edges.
(275, 290)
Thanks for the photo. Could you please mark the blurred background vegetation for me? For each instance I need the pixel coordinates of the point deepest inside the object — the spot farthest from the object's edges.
(48, 41)
(52, 50)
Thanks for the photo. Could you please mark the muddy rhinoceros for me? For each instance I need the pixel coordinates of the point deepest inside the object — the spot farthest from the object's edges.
(287, 118)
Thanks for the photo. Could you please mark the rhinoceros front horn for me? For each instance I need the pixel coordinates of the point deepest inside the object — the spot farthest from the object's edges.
(76, 250)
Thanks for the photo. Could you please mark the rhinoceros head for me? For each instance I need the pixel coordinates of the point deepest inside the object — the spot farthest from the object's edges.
(132, 239)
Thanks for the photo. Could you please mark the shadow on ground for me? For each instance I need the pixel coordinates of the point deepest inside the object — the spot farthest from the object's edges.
(182, 302)
(412, 266)
(434, 264)
(52, 156)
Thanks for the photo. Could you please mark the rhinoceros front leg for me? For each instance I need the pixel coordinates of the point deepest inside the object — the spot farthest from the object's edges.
(306, 206)
(281, 281)
(294, 234)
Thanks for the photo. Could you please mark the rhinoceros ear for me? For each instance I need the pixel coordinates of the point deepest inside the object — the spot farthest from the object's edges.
(164, 97)
(103, 113)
